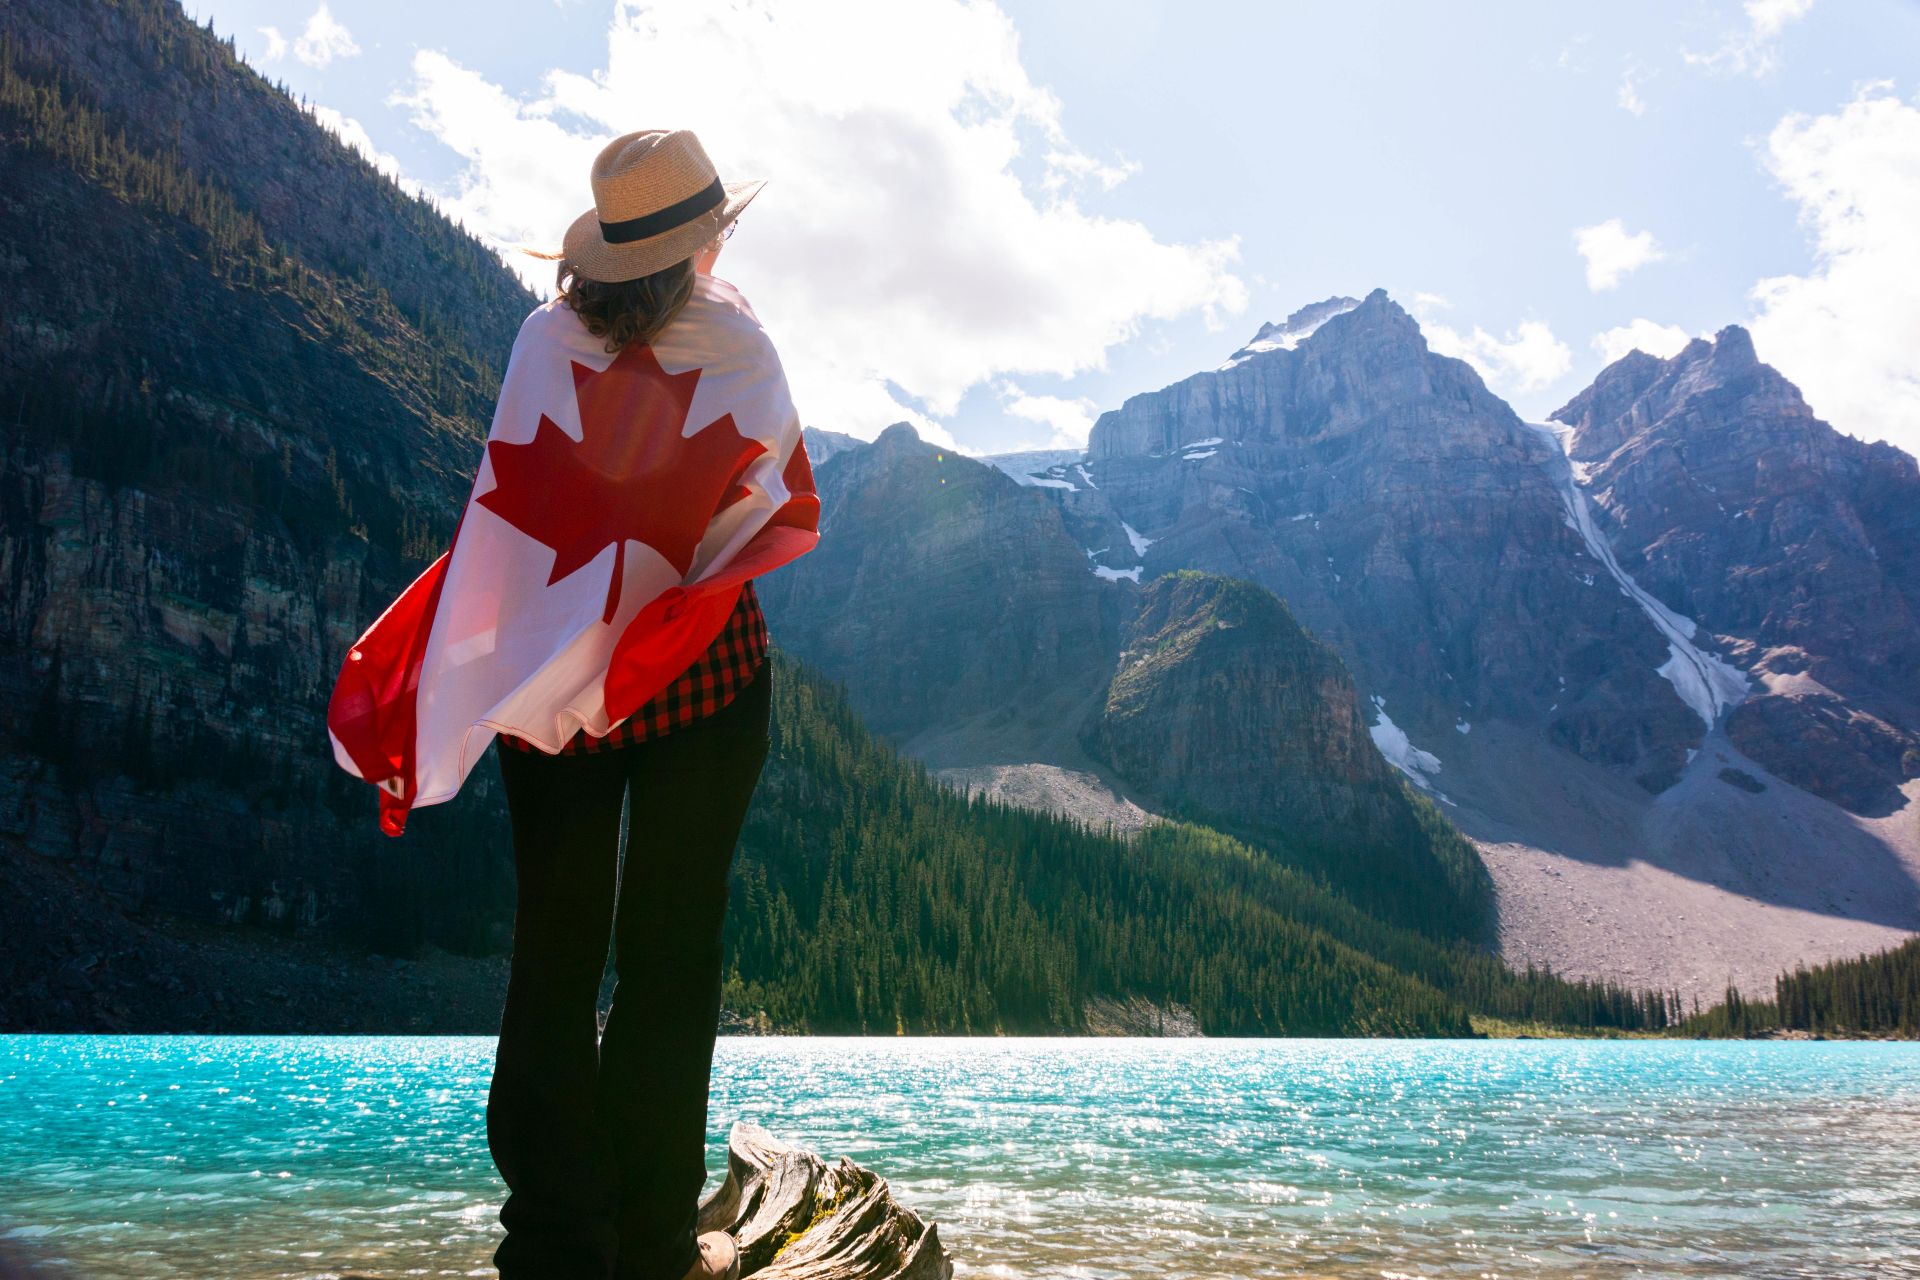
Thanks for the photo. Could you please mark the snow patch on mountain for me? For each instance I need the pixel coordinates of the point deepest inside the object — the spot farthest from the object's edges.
(1040, 468)
(1705, 681)
(1293, 331)
(1139, 540)
(1400, 752)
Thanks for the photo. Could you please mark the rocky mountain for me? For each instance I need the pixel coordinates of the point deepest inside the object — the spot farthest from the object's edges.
(1409, 518)
(1657, 656)
(1680, 734)
(1796, 546)
(1295, 329)
(245, 381)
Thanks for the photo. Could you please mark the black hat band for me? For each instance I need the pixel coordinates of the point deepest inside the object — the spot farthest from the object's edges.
(676, 214)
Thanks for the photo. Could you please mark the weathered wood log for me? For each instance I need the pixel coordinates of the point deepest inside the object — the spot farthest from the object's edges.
(795, 1217)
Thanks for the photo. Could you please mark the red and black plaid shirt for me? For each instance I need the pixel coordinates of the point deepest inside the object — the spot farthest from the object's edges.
(702, 689)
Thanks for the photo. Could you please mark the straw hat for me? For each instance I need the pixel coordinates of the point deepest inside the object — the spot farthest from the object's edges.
(656, 200)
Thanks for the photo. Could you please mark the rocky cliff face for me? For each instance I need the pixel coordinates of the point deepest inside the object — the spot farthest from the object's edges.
(246, 380)
(1798, 547)
(1408, 517)
(1223, 707)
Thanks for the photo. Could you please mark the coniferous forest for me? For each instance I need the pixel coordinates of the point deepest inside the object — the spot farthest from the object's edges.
(1876, 995)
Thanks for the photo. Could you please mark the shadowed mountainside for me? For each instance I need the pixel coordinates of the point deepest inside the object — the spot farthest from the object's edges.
(1224, 708)
(244, 385)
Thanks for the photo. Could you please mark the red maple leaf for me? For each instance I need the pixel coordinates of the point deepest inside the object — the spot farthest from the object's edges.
(631, 475)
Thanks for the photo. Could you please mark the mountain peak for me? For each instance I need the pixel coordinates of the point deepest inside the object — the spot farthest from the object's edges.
(1384, 309)
(1295, 329)
(1733, 347)
(1726, 359)
(899, 435)
(1379, 323)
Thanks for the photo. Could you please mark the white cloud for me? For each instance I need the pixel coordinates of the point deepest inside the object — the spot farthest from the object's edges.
(323, 40)
(1770, 17)
(1529, 358)
(1612, 254)
(867, 403)
(1071, 421)
(1753, 50)
(1628, 95)
(1064, 167)
(276, 44)
(1640, 334)
(1848, 331)
(921, 224)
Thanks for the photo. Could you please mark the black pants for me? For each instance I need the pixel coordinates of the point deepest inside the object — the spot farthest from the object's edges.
(603, 1146)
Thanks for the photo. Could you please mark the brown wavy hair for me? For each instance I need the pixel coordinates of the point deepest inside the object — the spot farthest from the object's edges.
(627, 310)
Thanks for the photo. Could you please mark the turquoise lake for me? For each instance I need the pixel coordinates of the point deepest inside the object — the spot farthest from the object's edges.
(1094, 1159)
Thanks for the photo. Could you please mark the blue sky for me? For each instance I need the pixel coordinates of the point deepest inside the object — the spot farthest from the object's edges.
(1001, 221)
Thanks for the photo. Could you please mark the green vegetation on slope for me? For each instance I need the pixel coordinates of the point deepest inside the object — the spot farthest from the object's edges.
(1237, 717)
(169, 406)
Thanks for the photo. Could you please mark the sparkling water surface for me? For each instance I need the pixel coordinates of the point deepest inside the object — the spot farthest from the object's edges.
(1096, 1159)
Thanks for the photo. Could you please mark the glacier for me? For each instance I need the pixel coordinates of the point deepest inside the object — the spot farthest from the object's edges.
(1705, 681)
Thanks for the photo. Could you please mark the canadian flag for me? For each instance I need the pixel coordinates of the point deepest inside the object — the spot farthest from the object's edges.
(622, 502)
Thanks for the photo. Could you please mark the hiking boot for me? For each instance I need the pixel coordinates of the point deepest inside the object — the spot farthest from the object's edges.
(719, 1258)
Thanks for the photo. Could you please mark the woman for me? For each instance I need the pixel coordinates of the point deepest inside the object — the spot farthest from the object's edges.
(596, 612)
(603, 1144)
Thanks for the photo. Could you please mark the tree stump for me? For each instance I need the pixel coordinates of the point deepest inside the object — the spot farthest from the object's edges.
(795, 1217)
